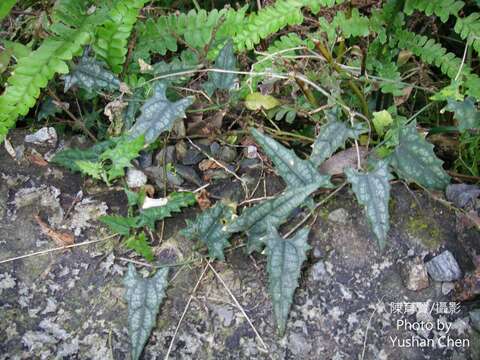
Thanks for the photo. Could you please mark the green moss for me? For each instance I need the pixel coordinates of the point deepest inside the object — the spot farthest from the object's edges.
(426, 230)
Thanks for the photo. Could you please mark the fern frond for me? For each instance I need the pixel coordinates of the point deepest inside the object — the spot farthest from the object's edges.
(112, 36)
(433, 53)
(316, 5)
(441, 8)
(73, 28)
(155, 37)
(268, 21)
(469, 29)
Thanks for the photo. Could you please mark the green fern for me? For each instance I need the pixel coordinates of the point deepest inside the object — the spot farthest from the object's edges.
(194, 28)
(469, 28)
(112, 36)
(441, 8)
(268, 21)
(433, 53)
(73, 28)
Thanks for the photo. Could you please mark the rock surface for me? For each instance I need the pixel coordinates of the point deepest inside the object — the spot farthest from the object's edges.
(350, 303)
(444, 267)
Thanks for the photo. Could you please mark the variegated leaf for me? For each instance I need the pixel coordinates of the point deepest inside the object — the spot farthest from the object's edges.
(295, 171)
(414, 160)
(285, 259)
(158, 114)
(209, 228)
(275, 211)
(372, 190)
(332, 136)
(143, 297)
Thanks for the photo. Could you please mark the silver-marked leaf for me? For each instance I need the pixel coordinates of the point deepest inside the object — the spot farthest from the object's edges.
(158, 114)
(284, 262)
(372, 190)
(174, 66)
(414, 160)
(91, 75)
(293, 170)
(143, 297)
(332, 136)
(466, 113)
(254, 220)
(225, 60)
(209, 228)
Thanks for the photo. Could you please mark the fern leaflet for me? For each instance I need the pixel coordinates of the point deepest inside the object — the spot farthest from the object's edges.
(112, 36)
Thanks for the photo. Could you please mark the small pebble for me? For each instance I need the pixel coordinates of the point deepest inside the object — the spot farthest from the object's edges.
(417, 278)
(339, 216)
(227, 154)
(135, 178)
(444, 267)
(44, 135)
(167, 154)
(447, 287)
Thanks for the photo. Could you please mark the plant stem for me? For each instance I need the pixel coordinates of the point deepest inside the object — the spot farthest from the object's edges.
(358, 93)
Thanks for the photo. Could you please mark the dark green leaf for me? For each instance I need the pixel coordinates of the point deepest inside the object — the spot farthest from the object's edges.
(414, 160)
(295, 171)
(373, 192)
(209, 228)
(140, 244)
(225, 60)
(175, 202)
(48, 109)
(68, 158)
(92, 76)
(466, 113)
(158, 114)
(275, 211)
(118, 224)
(144, 297)
(332, 136)
(175, 66)
(285, 259)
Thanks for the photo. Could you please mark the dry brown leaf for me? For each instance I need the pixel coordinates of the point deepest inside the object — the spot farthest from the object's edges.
(144, 67)
(114, 109)
(208, 164)
(149, 190)
(203, 199)
(399, 100)
(37, 159)
(10, 149)
(61, 238)
(343, 159)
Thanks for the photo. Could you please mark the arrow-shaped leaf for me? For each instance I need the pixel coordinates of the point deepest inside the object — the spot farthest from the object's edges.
(225, 60)
(143, 297)
(373, 192)
(332, 136)
(285, 259)
(91, 75)
(275, 211)
(209, 228)
(466, 113)
(295, 171)
(414, 160)
(158, 114)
